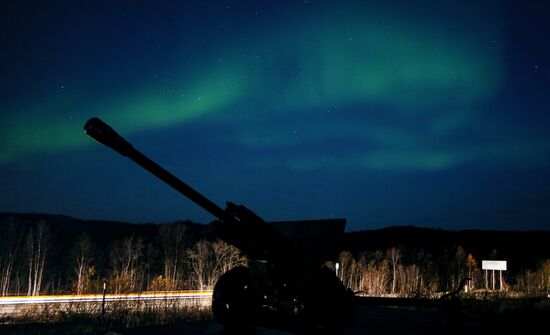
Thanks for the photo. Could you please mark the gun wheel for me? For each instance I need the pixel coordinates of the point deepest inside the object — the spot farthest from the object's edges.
(230, 299)
(328, 304)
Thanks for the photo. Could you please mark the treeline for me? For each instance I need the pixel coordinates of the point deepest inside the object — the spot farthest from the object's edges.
(39, 257)
(45, 254)
(412, 273)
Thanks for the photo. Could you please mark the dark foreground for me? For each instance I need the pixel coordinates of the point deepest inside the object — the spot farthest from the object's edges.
(369, 320)
(373, 318)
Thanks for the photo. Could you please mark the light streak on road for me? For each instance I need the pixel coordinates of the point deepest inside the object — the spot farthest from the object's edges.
(47, 299)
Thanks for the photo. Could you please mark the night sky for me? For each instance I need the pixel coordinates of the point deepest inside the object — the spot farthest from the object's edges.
(433, 114)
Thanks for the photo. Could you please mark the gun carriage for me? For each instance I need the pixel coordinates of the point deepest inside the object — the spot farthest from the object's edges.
(286, 282)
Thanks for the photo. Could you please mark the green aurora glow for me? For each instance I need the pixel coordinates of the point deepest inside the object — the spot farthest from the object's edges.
(421, 73)
(323, 63)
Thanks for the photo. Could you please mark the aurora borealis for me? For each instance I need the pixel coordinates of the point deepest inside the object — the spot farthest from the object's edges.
(386, 114)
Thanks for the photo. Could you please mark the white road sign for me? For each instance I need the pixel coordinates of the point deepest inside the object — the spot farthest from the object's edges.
(493, 265)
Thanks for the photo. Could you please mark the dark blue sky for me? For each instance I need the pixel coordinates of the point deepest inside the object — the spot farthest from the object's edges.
(432, 114)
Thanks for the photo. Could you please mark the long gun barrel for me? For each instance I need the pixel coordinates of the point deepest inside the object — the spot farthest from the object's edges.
(103, 133)
(238, 225)
(284, 281)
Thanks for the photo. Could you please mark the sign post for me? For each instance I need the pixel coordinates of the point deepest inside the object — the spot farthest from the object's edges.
(494, 265)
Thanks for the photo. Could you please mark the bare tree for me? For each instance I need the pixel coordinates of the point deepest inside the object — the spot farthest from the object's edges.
(535, 281)
(125, 257)
(226, 257)
(376, 278)
(345, 258)
(83, 257)
(37, 248)
(9, 247)
(460, 266)
(394, 256)
(172, 239)
(209, 260)
(410, 280)
(544, 270)
(350, 271)
(473, 271)
(200, 256)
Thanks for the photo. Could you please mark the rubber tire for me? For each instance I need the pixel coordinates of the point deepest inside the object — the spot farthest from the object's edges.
(328, 304)
(231, 303)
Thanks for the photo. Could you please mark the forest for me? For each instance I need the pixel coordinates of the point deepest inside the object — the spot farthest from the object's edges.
(47, 254)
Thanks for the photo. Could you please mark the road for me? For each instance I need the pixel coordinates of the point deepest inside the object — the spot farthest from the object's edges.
(19, 304)
(368, 320)
(382, 316)
(372, 318)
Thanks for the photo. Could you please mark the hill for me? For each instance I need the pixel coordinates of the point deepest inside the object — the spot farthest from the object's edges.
(522, 249)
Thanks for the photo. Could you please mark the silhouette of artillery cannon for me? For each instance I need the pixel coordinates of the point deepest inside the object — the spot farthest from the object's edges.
(286, 282)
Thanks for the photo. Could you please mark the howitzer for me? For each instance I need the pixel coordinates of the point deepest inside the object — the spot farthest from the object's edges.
(285, 283)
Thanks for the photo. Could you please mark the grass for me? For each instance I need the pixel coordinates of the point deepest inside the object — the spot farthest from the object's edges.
(490, 311)
(87, 318)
